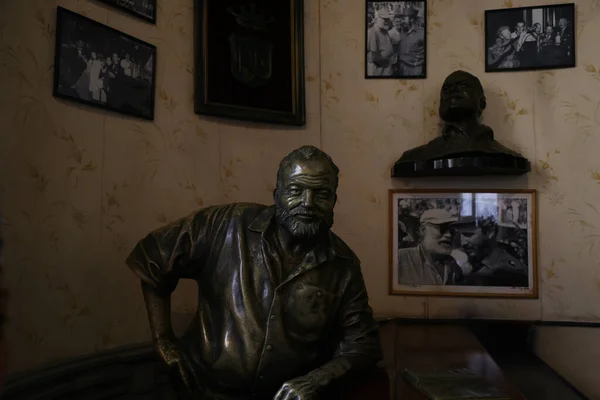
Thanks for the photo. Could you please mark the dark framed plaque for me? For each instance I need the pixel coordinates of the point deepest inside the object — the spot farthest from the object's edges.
(144, 9)
(250, 60)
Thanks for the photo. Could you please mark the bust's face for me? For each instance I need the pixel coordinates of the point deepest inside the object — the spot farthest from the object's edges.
(306, 197)
(460, 98)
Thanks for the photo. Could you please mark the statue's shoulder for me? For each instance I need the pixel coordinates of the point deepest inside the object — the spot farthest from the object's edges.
(233, 210)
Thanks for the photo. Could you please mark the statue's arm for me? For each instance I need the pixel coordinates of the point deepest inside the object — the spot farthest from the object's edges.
(175, 251)
(158, 307)
(359, 346)
(170, 253)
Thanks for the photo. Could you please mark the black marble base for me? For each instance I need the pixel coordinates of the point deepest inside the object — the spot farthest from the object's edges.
(477, 165)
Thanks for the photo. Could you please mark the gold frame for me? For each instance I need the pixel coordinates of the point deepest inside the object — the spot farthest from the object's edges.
(533, 291)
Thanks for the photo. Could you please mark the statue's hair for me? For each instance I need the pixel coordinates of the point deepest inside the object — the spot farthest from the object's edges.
(305, 153)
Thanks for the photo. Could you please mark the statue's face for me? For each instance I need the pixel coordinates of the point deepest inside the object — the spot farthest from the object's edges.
(305, 198)
(460, 98)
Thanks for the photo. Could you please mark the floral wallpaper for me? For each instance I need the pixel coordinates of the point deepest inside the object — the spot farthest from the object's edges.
(552, 117)
(80, 186)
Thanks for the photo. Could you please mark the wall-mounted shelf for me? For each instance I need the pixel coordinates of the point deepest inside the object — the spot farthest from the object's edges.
(465, 165)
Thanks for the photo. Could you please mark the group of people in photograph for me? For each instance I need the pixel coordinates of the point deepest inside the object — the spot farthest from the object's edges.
(440, 248)
(396, 43)
(101, 76)
(530, 46)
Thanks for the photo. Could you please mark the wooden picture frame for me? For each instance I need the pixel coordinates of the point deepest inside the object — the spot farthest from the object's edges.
(144, 9)
(401, 51)
(250, 60)
(530, 38)
(102, 67)
(478, 243)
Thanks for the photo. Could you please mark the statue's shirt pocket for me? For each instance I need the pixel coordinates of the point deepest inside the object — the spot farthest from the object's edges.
(308, 310)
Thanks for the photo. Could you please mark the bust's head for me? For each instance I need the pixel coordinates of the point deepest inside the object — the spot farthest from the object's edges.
(462, 97)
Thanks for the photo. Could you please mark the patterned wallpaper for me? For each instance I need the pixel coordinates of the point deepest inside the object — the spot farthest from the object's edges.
(80, 186)
(553, 118)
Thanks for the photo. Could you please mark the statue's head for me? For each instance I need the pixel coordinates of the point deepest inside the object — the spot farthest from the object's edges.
(462, 97)
(305, 195)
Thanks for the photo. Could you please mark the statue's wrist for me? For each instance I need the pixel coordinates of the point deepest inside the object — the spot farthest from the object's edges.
(164, 338)
(318, 379)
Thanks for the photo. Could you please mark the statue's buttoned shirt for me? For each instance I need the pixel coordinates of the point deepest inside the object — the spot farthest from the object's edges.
(255, 326)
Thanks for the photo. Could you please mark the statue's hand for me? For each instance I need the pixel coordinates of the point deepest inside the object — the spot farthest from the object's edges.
(302, 388)
(179, 363)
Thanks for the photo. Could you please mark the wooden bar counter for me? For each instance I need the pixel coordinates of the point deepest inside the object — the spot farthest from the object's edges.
(426, 345)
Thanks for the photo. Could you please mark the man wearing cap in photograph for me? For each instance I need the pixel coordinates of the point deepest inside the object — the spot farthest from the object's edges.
(430, 263)
(490, 265)
(380, 52)
(411, 43)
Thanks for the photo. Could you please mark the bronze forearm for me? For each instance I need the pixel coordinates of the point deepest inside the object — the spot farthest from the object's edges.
(339, 368)
(158, 306)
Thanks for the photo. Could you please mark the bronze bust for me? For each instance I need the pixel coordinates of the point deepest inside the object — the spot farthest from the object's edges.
(466, 146)
(282, 312)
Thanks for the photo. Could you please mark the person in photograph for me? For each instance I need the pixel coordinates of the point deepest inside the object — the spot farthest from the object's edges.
(430, 262)
(127, 65)
(490, 265)
(380, 52)
(115, 76)
(547, 38)
(504, 54)
(564, 40)
(395, 32)
(72, 63)
(104, 76)
(526, 45)
(405, 238)
(549, 52)
(84, 65)
(96, 82)
(411, 43)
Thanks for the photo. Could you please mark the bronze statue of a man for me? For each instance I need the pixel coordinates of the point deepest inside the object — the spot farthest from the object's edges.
(466, 147)
(282, 307)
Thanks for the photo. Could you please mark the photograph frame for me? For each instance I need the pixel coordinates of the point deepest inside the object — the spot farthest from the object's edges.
(116, 4)
(423, 75)
(394, 288)
(572, 63)
(61, 15)
(204, 106)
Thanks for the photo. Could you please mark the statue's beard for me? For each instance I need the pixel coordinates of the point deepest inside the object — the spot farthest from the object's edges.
(303, 229)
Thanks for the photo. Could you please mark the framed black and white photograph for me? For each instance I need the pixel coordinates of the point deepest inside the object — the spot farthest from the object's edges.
(463, 243)
(99, 66)
(396, 40)
(145, 9)
(530, 38)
